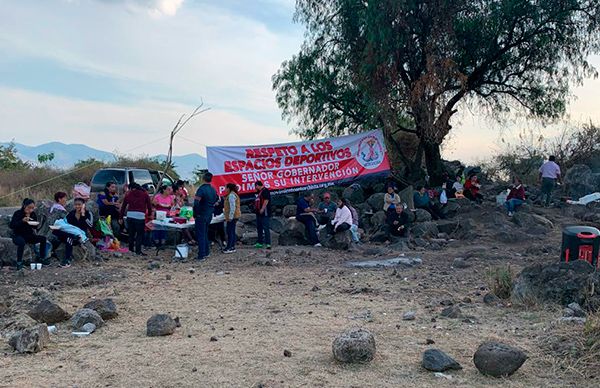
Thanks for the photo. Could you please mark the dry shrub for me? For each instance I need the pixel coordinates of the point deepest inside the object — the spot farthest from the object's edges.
(27, 181)
(575, 348)
(501, 281)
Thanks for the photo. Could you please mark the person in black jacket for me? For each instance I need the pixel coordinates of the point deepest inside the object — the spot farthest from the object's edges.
(24, 223)
(83, 220)
(397, 222)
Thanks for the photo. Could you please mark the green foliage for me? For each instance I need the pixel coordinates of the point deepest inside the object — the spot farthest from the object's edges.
(9, 160)
(501, 281)
(45, 158)
(405, 66)
(574, 145)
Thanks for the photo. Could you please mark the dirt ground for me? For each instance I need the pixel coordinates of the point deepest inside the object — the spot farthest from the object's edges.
(258, 304)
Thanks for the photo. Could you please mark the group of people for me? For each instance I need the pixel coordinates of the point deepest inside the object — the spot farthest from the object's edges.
(138, 207)
(72, 228)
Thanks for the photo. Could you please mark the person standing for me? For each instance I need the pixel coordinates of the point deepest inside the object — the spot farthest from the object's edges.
(204, 206)
(262, 207)
(24, 223)
(305, 213)
(136, 205)
(232, 212)
(108, 205)
(549, 176)
(164, 201)
(516, 196)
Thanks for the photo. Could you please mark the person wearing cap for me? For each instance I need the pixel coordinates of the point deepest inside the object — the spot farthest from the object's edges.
(327, 209)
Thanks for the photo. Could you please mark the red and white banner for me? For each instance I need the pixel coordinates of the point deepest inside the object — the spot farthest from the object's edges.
(293, 166)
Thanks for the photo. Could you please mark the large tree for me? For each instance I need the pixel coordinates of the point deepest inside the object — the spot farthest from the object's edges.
(406, 66)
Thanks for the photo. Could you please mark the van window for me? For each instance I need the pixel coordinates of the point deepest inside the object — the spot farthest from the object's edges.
(103, 176)
(143, 178)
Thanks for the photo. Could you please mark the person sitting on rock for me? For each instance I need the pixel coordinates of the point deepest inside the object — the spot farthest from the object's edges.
(390, 199)
(82, 220)
(458, 188)
(342, 220)
(327, 209)
(305, 213)
(422, 201)
(472, 188)
(355, 222)
(58, 211)
(24, 224)
(516, 196)
(397, 222)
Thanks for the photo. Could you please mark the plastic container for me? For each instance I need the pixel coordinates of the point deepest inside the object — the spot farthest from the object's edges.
(161, 215)
(580, 243)
(182, 251)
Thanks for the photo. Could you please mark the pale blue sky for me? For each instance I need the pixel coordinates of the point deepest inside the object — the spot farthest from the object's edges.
(116, 74)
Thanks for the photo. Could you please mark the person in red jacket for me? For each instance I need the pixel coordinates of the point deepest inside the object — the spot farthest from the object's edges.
(472, 187)
(516, 196)
(136, 205)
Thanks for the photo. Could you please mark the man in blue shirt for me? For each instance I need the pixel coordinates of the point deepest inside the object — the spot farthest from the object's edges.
(305, 214)
(204, 205)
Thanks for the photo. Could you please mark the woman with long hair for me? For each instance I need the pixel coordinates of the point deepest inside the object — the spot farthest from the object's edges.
(24, 224)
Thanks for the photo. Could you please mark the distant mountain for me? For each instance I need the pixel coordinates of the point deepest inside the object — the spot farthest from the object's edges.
(66, 155)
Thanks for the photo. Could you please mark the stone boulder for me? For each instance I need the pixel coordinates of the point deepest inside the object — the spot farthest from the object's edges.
(294, 234)
(48, 312)
(85, 315)
(530, 220)
(375, 201)
(448, 226)
(580, 180)
(422, 215)
(339, 241)
(378, 219)
(437, 361)
(84, 252)
(281, 201)
(407, 197)
(251, 237)
(354, 346)
(278, 224)
(30, 340)
(497, 359)
(160, 325)
(289, 211)
(559, 283)
(106, 308)
(354, 193)
(424, 230)
(5, 230)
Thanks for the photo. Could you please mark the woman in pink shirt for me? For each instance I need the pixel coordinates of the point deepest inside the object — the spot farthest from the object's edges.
(164, 200)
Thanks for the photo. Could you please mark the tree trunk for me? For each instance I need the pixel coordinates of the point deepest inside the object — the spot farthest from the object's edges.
(433, 161)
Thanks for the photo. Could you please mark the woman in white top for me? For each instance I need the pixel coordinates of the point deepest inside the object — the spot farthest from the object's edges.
(342, 220)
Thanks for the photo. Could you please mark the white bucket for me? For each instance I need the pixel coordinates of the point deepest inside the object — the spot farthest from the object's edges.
(181, 251)
(161, 215)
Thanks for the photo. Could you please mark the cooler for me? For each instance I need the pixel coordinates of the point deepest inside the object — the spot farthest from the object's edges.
(580, 243)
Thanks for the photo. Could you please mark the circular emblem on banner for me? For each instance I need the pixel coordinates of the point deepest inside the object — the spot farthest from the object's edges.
(370, 152)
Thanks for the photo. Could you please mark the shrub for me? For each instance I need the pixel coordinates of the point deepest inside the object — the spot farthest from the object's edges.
(501, 281)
